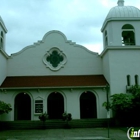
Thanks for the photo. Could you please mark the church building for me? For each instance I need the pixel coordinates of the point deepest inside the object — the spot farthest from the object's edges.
(56, 75)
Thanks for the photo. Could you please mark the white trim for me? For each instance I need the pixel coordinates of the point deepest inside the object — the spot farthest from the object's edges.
(63, 87)
(4, 53)
(107, 48)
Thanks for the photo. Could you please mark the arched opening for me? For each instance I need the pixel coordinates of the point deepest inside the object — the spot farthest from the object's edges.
(106, 39)
(55, 105)
(22, 107)
(88, 107)
(1, 33)
(1, 43)
(128, 80)
(128, 35)
(136, 80)
(1, 39)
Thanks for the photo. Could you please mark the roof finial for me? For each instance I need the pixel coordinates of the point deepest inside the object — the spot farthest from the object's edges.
(120, 2)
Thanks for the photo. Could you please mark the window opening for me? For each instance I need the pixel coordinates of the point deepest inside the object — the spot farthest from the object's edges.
(1, 33)
(128, 80)
(106, 39)
(136, 80)
(128, 35)
(55, 58)
(1, 40)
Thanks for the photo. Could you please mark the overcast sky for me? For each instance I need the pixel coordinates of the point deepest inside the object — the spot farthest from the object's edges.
(27, 21)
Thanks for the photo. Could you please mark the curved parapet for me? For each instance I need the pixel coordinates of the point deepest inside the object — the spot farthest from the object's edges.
(53, 36)
(54, 32)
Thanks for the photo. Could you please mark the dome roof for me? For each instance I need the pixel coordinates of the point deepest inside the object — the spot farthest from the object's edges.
(122, 12)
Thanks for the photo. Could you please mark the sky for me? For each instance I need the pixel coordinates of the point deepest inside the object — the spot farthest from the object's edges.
(27, 21)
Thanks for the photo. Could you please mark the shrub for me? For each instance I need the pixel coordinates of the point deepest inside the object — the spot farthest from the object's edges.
(67, 117)
(43, 117)
(4, 107)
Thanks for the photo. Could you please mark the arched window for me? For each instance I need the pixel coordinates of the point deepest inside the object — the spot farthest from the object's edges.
(2, 34)
(136, 80)
(106, 39)
(88, 108)
(1, 39)
(55, 105)
(128, 80)
(22, 108)
(128, 35)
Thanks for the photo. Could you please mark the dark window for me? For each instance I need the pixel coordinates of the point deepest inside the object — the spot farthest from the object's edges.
(88, 107)
(1, 40)
(136, 80)
(106, 39)
(1, 33)
(55, 105)
(22, 107)
(55, 58)
(128, 80)
(128, 35)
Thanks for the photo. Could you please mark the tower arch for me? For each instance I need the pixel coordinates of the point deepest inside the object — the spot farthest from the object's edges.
(122, 26)
(128, 35)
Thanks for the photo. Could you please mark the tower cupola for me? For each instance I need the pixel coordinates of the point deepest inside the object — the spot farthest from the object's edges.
(121, 26)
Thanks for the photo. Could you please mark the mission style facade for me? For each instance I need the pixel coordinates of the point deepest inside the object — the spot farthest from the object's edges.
(56, 75)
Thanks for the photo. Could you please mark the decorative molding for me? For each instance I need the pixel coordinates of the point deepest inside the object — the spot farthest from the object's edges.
(107, 48)
(54, 59)
(4, 53)
(39, 98)
(4, 91)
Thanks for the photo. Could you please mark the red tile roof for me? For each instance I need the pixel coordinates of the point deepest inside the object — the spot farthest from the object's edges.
(54, 81)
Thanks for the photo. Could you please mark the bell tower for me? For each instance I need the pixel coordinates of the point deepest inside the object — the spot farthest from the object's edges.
(3, 32)
(121, 41)
(121, 26)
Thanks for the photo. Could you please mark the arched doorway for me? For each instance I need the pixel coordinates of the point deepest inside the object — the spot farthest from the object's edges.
(88, 105)
(22, 107)
(55, 105)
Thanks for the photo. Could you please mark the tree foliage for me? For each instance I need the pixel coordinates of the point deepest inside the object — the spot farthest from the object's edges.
(125, 105)
(121, 102)
(4, 107)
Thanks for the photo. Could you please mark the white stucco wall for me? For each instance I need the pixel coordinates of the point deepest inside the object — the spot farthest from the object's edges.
(114, 31)
(29, 61)
(106, 66)
(7, 98)
(122, 63)
(71, 100)
(2, 44)
(3, 67)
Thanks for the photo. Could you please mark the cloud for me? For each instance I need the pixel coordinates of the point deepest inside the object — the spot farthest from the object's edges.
(79, 20)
